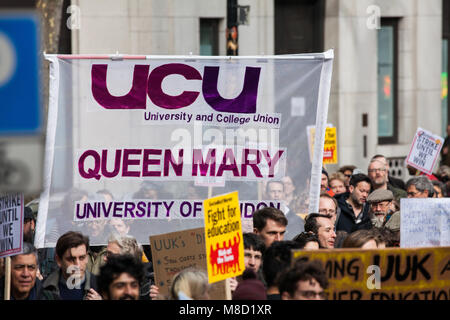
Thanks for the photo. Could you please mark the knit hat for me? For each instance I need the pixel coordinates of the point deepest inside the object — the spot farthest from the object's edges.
(250, 288)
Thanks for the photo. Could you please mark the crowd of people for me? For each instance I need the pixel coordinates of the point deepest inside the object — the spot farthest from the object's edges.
(356, 210)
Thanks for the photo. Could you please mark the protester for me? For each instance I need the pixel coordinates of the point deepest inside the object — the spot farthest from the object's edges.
(445, 151)
(364, 239)
(289, 191)
(340, 237)
(29, 225)
(328, 205)
(419, 187)
(324, 183)
(120, 278)
(380, 202)
(275, 191)
(378, 174)
(250, 287)
(337, 182)
(254, 248)
(277, 259)
(439, 189)
(322, 226)
(387, 237)
(71, 281)
(190, 284)
(306, 280)
(307, 241)
(392, 181)
(347, 171)
(354, 212)
(24, 282)
(270, 224)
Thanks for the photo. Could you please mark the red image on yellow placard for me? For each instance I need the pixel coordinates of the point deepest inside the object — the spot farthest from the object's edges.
(223, 237)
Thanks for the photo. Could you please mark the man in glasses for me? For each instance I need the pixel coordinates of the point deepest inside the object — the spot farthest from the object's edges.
(378, 174)
(307, 280)
(419, 187)
(380, 202)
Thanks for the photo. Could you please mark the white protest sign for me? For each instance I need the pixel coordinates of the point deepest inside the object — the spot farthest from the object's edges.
(424, 150)
(425, 222)
(11, 224)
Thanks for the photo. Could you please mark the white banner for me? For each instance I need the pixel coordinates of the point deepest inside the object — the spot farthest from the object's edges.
(425, 222)
(175, 130)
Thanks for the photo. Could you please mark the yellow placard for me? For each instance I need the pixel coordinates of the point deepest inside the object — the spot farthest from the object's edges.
(329, 145)
(223, 237)
(384, 274)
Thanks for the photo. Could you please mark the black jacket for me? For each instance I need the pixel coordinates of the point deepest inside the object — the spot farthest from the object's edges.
(347, 220)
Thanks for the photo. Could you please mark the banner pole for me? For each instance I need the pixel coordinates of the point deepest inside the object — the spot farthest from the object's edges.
(7, 291)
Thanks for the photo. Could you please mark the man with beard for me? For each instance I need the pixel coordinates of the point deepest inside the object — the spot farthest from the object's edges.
(120, 278)
(378, 174)
(354, 210)
(380, 202)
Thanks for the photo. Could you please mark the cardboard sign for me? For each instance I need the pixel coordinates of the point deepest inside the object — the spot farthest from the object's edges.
(424, 150)
(224, 240)
(385, 274)
(11, 224)
(176, 251)
(425, 222)
(329, 147)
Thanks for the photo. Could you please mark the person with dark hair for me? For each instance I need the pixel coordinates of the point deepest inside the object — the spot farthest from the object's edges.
(324, 183)
(24, 282)
(270, 224)
(276, 261)
(386, 237)
(71, 281)
(254, 248)
(120, 278)
(439, 189)
(250, 287)
(29, 225)
(419, 187)
(340, 237)
(354, 211)
(307, 241)
(322, 226)
(306, 280)
(347, 171)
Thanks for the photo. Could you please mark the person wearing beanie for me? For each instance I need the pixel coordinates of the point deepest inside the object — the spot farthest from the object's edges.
(250, 288)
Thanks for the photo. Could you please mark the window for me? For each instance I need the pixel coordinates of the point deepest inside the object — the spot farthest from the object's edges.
(387, 82)
(209, 37)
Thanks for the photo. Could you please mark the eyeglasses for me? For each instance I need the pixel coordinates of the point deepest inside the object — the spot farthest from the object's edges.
(413, 194)
(376, 170)
(382, 204)
(309, 294)
(348, 175)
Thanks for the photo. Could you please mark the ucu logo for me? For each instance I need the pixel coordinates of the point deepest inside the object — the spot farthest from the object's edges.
(145, 84)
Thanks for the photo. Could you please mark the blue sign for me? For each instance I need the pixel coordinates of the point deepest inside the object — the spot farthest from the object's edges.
(20, 108)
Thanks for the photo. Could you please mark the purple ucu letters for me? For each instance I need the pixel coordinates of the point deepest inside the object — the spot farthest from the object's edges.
(144, 84)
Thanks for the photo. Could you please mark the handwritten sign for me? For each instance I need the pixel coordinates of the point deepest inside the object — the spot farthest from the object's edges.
(425, 222)
(385, 274)
(176, 251)
(11, 224)
(330, 144)
(424, 150)
(224, 241)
